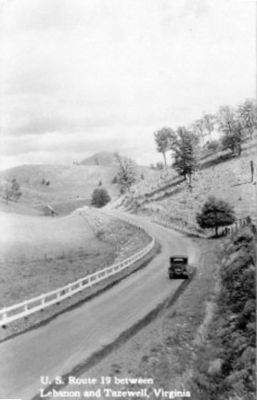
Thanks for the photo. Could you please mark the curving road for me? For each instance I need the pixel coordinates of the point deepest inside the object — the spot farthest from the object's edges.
(56, 348)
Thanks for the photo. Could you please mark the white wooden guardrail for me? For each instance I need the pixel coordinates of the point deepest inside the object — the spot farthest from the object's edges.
(39, 303)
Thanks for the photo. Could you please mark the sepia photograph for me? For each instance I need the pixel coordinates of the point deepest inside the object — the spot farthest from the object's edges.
(128, 199)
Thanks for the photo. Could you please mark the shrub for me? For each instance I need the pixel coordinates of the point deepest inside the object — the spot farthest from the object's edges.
(215, 213)
(159, 165)
(12, 191)
(100, 197)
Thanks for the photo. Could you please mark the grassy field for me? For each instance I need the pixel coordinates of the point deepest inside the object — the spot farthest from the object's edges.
(67, 182)
(71, 186)
(39, 254)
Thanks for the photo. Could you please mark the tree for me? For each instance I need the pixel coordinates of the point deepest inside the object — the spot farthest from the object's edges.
(12, 191)
(247, 113)
(226, 119)
(233, 140)
(100, 197)
(127, 173)
(185, 157)
(214, 214)
(208, 122)
(163, 138)
(198, 129)
(231, 128)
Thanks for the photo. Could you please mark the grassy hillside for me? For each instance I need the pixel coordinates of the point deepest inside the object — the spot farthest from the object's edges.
(66, 183)
(39, 254)
(218, 174)
(70, 186)
(104, 158)
(225, 364)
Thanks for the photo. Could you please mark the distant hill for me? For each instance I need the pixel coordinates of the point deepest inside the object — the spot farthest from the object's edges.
(64, 187)
(61, 186)
(103, 158)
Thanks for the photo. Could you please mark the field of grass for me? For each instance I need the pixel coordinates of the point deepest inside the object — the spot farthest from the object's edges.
(70, 187)
(67, 182)
(39, 254)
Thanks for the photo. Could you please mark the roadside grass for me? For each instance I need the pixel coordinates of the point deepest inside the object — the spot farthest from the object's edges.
(226, 359)
(40, 254)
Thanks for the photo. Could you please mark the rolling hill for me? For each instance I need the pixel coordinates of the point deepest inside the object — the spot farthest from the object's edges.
(103, 158)
(70, 186)
(169, 199)
(64, 187)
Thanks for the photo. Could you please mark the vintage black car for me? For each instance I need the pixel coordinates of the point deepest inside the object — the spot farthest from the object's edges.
(178, 267)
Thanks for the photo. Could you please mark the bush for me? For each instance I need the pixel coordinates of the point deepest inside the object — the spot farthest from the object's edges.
(100, 197)
(215, 213)
(12, 191)
(159, 165)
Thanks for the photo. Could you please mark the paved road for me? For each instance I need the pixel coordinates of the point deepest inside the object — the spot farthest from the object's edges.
(72, 337)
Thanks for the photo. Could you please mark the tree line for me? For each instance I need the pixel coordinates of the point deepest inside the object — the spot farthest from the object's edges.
(234, 124)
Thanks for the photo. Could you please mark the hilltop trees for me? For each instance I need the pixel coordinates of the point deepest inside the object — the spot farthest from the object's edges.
(163, 139)
(127, 173)
(233, 141)
(208, 122)
(12, 191)
(185, 158)
(214, 214)
(247, 113)
(198, 129)
(231, 128)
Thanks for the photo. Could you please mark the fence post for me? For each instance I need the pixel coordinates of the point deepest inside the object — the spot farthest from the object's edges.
(26, 309)
(58, 297)
(42, 302)
(4, 314)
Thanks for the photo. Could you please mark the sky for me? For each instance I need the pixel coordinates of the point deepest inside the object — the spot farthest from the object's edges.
(82, 76)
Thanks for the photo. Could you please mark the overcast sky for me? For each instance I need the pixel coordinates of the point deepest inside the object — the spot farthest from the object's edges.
(81, 76)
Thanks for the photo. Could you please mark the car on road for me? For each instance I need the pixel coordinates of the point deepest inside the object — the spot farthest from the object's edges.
(178, 267)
